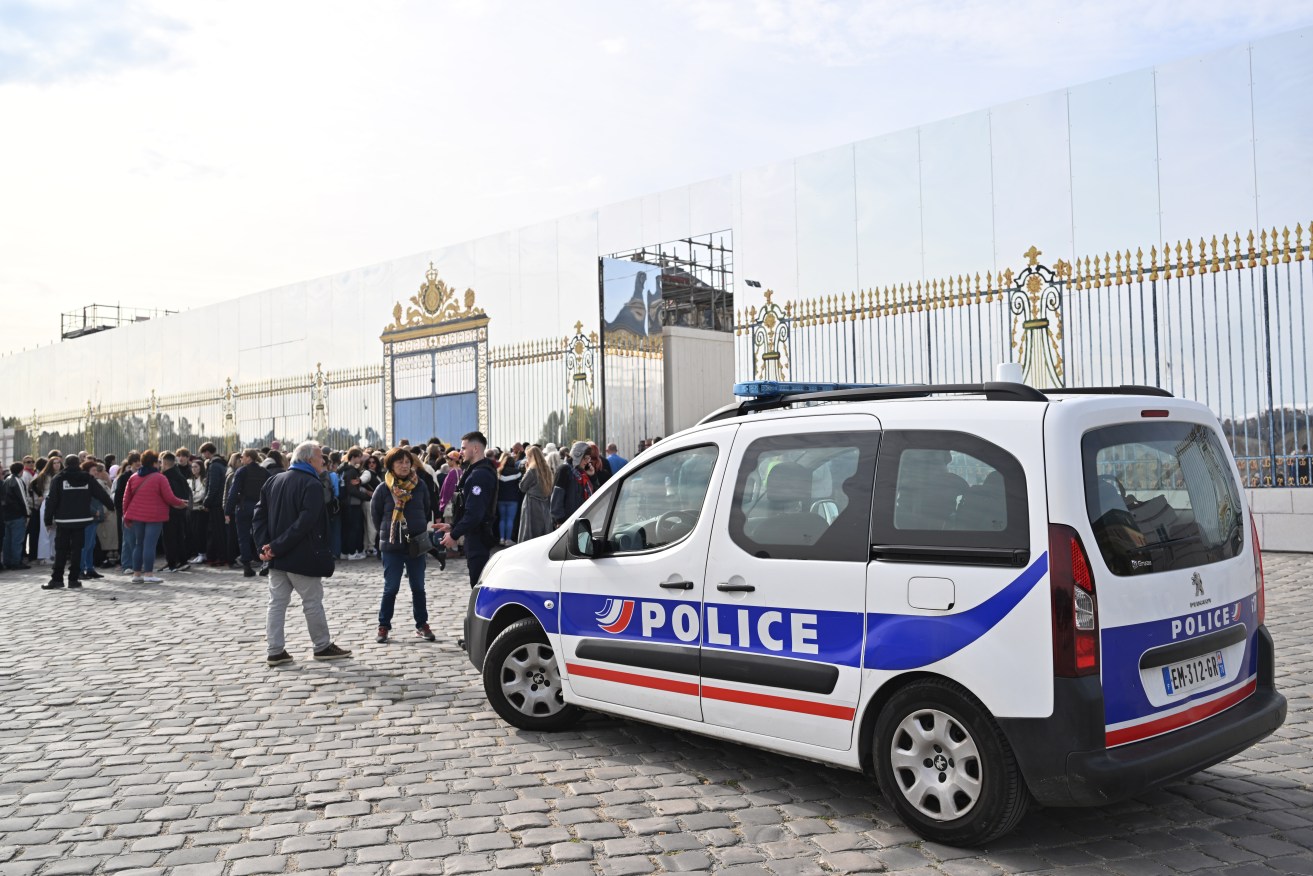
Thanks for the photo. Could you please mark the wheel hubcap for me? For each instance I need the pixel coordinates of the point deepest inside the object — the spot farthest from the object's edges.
(530, 682)
(936, 764)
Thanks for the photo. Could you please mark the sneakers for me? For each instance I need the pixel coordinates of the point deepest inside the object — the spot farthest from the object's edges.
(148, 579)
(92, 574)
(425, 633)
(182, 567)
(279, 659)
(200, 558)
(53, 585)
(247, 571)
(382, 635)
(332, 652)
(137, 579)
(264, 570)
(359, 555)
(74, 585)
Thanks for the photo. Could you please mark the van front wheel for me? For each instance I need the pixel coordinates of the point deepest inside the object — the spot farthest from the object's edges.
(946, 767)
(522, 682)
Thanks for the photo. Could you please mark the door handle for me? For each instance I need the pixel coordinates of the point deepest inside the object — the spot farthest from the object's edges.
(677, 585)
(735, 588)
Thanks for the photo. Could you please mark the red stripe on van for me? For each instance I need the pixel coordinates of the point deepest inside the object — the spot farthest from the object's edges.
(766, 701)
(1180, 719)
(786, 704)
(667, 684)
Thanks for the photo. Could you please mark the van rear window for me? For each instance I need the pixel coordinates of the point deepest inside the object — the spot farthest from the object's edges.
(1160, 496)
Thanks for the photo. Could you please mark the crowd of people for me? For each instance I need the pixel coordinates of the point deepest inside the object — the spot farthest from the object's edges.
(257, 511)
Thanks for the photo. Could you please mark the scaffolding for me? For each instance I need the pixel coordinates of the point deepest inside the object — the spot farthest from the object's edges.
(697, 279)
(102, 317)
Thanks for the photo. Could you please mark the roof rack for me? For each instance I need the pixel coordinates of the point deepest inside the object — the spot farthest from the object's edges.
(992, 390)
(1124, 389)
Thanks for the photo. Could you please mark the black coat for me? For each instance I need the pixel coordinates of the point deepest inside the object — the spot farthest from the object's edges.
(69, 502)
(476, 500)
(418, 513)
(216, 472)
(15, 506)
(293, 520)
(178, 483)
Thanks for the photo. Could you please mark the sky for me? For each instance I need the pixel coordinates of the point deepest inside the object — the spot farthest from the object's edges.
(167, 155)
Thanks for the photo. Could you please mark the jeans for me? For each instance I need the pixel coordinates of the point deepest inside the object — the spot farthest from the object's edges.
(147, 537)
(394, 563)
(128, 539)
(506, 519)
(335, 535)
(89, 548)
(311, 590)
(245, 518)
(15, 530)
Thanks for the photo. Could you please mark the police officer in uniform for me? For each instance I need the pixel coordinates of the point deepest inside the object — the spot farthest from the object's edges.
(475, 505)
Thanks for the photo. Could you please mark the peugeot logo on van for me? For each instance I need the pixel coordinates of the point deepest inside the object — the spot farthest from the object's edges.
(1198, 581)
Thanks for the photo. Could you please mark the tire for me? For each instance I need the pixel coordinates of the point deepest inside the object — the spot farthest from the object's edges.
(945, 766)
(522, 681)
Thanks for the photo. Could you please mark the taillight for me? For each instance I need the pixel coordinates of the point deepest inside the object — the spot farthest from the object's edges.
(1075, 608)
(1258, 570)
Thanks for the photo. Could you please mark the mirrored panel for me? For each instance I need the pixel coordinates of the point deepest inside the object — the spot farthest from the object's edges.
(957, 213)
(888, 199)
(1114, 164)
(711, 205)
(1283, 128)
(766, 240)
(1205, 146)
(1032, 179)
(827, 223)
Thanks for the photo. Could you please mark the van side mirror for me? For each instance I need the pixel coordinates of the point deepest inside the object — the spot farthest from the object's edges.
(582, 543)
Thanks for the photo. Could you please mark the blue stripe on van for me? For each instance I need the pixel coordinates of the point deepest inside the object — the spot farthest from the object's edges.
(899, 641)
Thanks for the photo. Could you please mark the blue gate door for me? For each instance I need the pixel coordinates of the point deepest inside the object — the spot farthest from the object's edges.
(446, 416)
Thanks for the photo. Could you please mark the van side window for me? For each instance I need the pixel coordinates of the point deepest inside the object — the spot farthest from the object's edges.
(661, 502)
(806, 497)
(949, 490)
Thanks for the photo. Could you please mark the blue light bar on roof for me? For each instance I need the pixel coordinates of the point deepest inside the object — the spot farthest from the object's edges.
(776, 388)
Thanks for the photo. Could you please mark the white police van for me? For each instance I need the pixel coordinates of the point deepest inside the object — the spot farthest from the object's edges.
(985, 595)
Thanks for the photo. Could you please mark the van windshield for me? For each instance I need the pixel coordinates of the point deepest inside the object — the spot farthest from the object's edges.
(1160, 496)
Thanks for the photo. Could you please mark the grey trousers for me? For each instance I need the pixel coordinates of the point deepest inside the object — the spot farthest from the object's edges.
(311, 591)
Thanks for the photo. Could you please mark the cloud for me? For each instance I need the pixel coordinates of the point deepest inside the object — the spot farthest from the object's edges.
(44, 42)
(614, 45)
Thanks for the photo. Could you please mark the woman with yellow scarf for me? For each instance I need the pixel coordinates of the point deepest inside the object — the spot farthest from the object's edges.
(400, 510)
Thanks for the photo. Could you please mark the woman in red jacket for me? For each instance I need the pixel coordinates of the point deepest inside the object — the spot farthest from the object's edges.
(146, 504)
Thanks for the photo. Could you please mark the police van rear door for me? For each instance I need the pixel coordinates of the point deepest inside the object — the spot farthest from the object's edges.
(629, 617)
(1159, 507)
(784, 610)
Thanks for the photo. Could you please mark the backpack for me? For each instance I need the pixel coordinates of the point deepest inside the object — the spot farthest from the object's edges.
(330, 501)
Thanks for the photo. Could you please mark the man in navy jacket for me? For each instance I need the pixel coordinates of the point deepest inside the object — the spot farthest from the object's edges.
(291, 525)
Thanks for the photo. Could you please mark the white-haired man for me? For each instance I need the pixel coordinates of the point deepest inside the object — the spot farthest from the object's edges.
(291, 525)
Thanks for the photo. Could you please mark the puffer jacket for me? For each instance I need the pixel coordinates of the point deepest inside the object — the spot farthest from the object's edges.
(149, 497)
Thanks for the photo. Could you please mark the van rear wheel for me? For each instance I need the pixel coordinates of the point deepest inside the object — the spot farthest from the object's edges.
(522, 681)
(945, 766)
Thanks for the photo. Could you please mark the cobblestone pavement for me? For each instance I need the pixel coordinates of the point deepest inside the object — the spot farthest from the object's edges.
(140, 731)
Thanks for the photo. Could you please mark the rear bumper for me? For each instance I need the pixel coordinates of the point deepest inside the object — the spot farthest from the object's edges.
(1065, 762)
